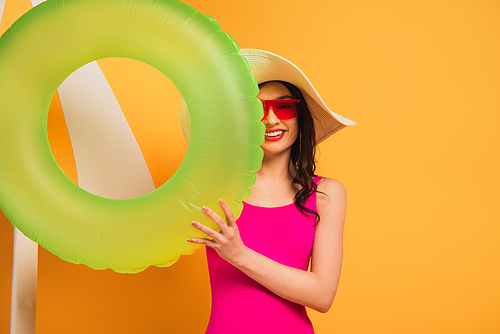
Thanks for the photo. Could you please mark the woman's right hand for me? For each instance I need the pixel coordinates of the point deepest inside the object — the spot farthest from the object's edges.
(227, 243)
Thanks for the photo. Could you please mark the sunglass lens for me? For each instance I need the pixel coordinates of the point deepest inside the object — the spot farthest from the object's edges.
(283, 109)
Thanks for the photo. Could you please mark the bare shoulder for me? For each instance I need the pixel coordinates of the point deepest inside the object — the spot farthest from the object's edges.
(330, 190)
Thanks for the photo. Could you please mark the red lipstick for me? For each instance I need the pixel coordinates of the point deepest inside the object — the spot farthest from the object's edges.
(276, 135)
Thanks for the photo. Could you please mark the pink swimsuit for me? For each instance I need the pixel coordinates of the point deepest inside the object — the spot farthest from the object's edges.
(241, 305)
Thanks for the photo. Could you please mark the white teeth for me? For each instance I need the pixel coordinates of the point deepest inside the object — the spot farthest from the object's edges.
(274, 134)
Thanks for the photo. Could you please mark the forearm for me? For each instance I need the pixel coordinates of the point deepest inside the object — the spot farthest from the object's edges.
(299, 286)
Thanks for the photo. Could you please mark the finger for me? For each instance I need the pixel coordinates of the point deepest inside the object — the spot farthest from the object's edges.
(216, 218)
(201, 241)
(229, 214)
(207, 230)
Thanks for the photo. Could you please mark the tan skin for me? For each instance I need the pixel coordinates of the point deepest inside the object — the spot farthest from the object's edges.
(316, 288)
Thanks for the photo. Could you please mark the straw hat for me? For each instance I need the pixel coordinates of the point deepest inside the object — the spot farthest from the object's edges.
(267, 66)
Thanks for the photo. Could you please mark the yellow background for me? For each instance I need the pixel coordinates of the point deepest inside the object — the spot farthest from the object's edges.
(422, 79)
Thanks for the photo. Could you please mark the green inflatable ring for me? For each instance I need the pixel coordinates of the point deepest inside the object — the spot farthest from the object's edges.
(57, 37)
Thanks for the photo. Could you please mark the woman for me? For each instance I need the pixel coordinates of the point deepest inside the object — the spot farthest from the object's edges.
(258, 265)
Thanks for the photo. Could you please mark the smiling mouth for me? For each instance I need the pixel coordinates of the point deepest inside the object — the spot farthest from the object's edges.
(275, 133)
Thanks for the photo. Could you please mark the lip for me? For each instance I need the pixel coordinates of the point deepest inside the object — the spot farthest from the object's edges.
(277, 137)
(272, 130)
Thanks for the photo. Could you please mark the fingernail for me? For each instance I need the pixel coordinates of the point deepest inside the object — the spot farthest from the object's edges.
(189, 240)
(221, 201)
(205, 208)
(193, 223)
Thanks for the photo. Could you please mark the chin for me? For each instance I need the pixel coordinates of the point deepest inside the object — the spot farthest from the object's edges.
(270, 150)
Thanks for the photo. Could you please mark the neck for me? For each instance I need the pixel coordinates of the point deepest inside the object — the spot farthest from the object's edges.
(275, 166)
(274, 186)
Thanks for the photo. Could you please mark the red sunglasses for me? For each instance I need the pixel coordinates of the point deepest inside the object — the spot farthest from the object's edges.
(283, 109)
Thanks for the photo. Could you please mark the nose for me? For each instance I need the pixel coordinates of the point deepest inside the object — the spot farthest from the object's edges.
(271, 118)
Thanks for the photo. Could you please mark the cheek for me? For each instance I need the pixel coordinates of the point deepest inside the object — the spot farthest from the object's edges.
(294, 133)
(294, 128)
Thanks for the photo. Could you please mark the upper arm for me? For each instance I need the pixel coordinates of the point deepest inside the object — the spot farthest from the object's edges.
(326, 258)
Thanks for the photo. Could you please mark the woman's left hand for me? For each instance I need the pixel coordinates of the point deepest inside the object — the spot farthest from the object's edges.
(227, 242)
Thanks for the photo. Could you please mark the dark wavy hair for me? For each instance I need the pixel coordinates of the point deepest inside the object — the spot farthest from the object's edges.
(303, 152)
